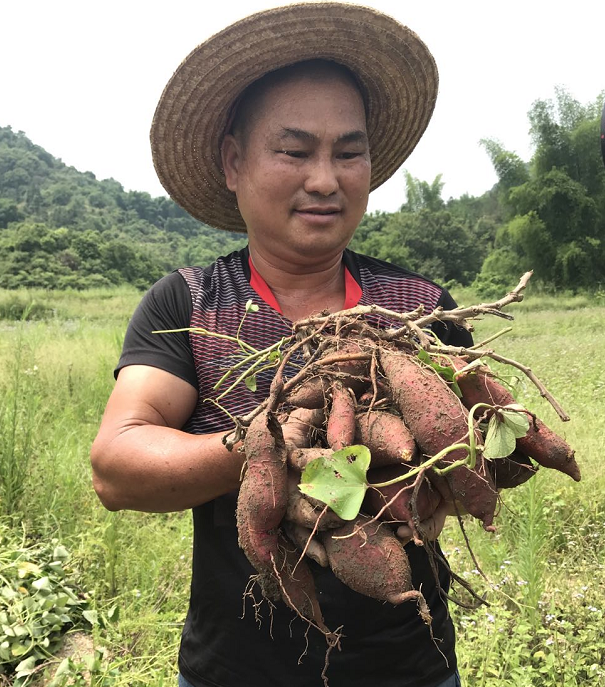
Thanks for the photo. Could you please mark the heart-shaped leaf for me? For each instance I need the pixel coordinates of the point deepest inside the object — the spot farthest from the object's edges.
(339, 480)
(515, 418)
(500, 440)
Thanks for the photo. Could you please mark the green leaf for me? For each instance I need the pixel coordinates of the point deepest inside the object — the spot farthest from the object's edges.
(339, 480)
(42, 584)
(448, 373)
(92, 617)
(26, 667)
(63, 667)
(28, 568)
(500, 440)
(250, 306)
(60, 554)
(251, 382)
(515, 418)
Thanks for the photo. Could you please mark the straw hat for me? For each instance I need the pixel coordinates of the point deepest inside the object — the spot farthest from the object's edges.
(396, 72)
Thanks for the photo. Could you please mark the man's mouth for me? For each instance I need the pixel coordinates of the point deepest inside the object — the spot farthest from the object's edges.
(328, 210)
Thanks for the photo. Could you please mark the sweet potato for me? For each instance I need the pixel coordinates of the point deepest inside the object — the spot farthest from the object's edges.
(437, 420)
(301, 511)
(512, 471)
(340, 430)
(540, 443)
(400, 510)
(311, 393)
(351, 347)
(371, 562)
(301, 537)
(386, 435)
(298, 458)
(303, 426)
(263, 495)
(296, 584)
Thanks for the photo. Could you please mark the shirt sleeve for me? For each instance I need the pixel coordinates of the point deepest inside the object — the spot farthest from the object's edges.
(448, 332)
(167, 305)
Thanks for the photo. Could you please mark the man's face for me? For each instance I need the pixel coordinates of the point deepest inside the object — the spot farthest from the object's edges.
(302, 173)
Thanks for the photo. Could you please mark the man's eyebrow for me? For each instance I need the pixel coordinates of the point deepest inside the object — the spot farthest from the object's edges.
(299, 134)
(354, 136)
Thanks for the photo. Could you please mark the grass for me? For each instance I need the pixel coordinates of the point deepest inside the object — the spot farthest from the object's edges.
(545, 566)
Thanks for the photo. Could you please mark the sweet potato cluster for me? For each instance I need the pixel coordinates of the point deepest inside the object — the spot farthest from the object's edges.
(383, 380)
(364, 390)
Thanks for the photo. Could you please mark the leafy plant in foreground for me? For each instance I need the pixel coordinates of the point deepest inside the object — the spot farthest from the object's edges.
(38, 601)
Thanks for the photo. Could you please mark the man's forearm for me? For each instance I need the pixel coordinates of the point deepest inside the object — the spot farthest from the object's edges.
(160, 469)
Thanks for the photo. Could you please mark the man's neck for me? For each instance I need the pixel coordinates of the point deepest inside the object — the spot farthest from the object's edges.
(302, 290)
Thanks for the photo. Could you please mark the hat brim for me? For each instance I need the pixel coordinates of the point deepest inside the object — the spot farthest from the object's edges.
(396, 72)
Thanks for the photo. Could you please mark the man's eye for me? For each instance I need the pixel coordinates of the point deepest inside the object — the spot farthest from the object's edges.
(349, 155)
(294, 153)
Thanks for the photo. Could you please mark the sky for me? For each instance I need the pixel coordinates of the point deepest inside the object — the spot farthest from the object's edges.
(82, 79)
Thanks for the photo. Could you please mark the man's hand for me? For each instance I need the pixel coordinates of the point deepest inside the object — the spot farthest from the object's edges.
(431, 527)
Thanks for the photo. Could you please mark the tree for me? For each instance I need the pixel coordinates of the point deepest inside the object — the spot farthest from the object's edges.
(423, 196)
(556, 204)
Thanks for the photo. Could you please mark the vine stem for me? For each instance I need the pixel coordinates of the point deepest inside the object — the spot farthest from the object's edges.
(427, 464)
(206, 332)
(250, 358)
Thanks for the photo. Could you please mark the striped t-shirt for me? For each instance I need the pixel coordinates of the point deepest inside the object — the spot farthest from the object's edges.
(384, 645)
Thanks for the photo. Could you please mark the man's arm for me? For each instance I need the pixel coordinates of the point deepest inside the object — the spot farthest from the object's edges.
(142, 460)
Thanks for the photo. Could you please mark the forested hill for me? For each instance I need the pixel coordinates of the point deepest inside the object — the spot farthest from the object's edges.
(62, 228)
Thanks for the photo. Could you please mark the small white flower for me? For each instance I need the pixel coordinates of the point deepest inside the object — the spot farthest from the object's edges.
(549, 641)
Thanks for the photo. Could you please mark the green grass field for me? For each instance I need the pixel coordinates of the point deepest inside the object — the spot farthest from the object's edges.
(544, 568)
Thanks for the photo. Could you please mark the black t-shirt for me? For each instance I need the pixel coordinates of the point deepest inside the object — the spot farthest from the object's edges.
(383, 644)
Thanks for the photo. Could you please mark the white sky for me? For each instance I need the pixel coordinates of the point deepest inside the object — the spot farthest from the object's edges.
(82, 79)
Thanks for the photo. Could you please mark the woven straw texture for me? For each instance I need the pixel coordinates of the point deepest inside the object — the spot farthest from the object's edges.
(397, 74)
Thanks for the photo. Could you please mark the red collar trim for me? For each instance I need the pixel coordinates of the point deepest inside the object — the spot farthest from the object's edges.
(261, 287)
(353, 291)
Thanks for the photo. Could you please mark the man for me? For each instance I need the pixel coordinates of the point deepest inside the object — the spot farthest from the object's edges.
(280, 126)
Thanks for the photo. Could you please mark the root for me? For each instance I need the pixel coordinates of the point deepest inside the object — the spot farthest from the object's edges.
(256, 605)
(313, 533)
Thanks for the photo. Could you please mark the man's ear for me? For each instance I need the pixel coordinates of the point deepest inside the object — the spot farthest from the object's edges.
(231, 155)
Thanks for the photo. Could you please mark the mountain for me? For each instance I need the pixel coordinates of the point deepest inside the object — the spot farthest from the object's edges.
(63, 228)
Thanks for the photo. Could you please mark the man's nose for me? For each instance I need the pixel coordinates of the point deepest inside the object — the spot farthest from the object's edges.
(321, 177)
